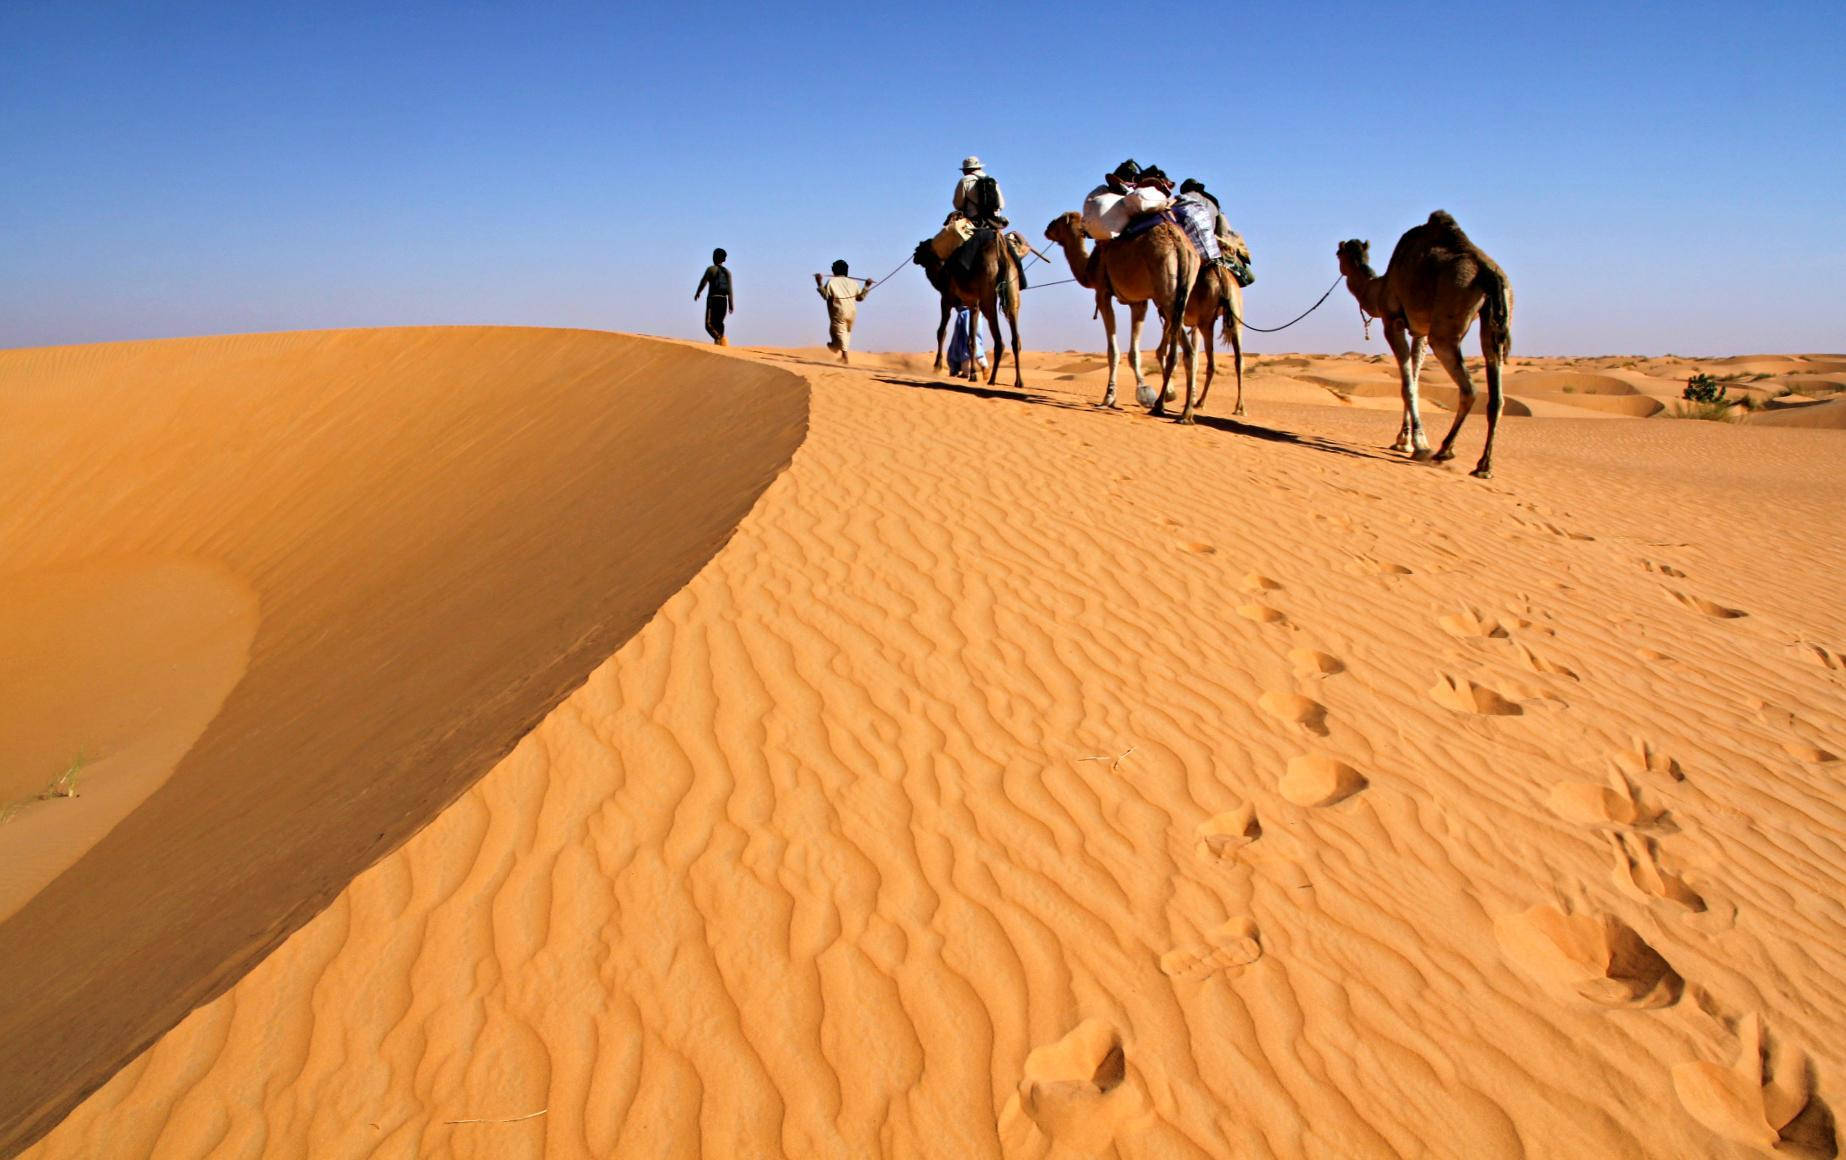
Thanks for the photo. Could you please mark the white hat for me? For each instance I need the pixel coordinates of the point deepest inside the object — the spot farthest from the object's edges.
(970, 162)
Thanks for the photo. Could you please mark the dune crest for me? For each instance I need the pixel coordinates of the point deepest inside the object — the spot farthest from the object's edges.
(444, 530)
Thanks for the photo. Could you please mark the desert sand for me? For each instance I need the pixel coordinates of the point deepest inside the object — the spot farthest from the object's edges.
(1020, 779)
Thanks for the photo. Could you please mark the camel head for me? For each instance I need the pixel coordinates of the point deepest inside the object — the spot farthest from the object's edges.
(1066, 229)
(1354, 256)
(925, 256)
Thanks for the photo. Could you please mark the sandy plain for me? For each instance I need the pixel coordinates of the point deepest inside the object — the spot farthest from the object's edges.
(1017, 779)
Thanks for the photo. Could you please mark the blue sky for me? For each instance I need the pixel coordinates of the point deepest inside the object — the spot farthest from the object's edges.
(1653, 177)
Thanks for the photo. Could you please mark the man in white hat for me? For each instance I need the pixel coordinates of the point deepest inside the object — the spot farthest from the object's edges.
(977, 196)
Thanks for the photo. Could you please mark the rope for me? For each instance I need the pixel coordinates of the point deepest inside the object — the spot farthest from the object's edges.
(889, 276)
(1233, 313)
(1292, 321)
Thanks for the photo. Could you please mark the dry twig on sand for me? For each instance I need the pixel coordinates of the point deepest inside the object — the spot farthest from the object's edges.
(505, 1120)
(1114, 762)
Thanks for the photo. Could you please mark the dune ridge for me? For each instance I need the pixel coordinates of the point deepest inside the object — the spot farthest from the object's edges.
(374, 493)
(969, 803)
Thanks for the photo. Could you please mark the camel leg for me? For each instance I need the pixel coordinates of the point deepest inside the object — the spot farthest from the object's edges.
(942, 330)
(1137, 317)
(1164, 352)
(1409, 352)
(1012, 323)
(992, 310)
(1211, 360)
(1484, 469)
(1176, 328)
(1417, 349)
(1106, 308)
(1448, 353)
(1237, 352)
(1192, 376)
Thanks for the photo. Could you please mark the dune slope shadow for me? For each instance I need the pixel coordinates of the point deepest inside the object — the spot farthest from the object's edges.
(444, 531)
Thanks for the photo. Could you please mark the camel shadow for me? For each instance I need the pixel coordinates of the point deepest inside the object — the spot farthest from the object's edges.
(1318, 443)
(1293, 439)
(983, 391)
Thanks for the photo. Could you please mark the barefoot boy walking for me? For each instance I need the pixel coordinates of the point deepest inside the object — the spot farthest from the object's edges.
(842, 295)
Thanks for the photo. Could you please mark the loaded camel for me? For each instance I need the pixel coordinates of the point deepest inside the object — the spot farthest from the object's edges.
(1436, 283)
(1158, 265)
(988, 285)
(1215, 294)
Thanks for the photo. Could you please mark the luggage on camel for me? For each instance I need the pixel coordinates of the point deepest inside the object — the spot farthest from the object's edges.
(1146, 199)
(964, 262)
(1104, 214)
(1199, 218)
(955, 232)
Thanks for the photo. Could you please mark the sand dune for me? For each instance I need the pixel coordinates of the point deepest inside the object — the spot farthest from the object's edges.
(1027, 780)
(281, 598)
(1827, 414)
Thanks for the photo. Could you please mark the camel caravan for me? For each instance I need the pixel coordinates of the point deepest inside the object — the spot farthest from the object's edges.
(1180, 254)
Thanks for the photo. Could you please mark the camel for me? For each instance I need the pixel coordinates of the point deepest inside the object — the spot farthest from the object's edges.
(994, 287)
(1436, 283)
(1159, 265)
(1215, 293)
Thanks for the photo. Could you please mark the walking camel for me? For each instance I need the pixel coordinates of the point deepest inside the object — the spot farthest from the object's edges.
(1215, 294)
(987, 286)
(1436, 283)
(1159, 265)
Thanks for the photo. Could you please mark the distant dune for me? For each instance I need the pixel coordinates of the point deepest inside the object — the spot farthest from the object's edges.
(274, 601)
(1020, 780)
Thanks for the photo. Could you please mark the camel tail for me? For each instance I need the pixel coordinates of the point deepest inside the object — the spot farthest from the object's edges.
(1496, 313)
(1188, 271)
(1009, 289)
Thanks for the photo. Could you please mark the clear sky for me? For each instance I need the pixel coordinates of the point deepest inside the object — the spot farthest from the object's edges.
(1654, 177)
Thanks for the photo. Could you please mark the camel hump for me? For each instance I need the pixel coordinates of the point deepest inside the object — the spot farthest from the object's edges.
(1442, 217)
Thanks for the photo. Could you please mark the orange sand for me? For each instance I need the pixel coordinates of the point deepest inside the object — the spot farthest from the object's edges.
(287, 596)
(1027, 780)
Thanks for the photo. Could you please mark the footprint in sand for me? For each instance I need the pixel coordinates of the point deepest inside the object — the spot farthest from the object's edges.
(1663, 569)
(1539, 664)
(1638, 873)
(1699, 604)
(1309, 663)
(1297, 710)
(1758, 1101)
(1464, 696)
(1654, 656)
(1199, 549)
(1256, 582)
(1569, 535)
(1074, 1093)
(1814, 654)
(1616, 804)
(1314, 779)
(1810, 753)
(1368, 567)
(1226, 948)
(1263, 614)
(1593, 956)
(1221, 836)
(1642, 757)
(1470, 623)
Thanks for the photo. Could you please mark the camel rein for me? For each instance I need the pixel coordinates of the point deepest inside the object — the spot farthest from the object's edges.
(1240, 322)
(1296, 318)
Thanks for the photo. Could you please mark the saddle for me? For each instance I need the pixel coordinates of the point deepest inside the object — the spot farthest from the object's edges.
(967, 257)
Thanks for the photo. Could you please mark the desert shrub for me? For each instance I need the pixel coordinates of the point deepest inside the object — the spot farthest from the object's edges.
(1702, 388)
